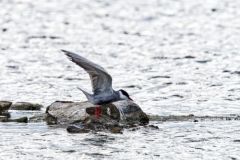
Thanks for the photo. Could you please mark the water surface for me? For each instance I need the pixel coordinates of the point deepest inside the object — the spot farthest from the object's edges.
(173, 57)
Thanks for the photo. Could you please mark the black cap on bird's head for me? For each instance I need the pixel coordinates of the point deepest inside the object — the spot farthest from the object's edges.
(124, 95)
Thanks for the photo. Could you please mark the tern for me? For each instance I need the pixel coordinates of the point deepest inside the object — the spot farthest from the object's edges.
(101, 81)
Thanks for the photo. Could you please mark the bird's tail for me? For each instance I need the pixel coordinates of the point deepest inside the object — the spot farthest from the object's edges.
(88, 95)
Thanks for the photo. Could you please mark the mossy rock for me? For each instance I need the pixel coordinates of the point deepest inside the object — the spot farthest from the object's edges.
(4, 106)
(82, 118)
(26, 106)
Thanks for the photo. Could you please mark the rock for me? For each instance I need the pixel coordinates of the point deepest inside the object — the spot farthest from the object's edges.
(153, 126)
(4, 29)
(69, 112)
(77, 129)
(195, 120)
(19, 120)
(172, 118)
(26, 106)
(51, 120)
(213, 9)
(65, 112)
(4, 106)
(130, 112)
(116, 129)
(113, 116)
(6, 113)
(3, 118)
(41, 117)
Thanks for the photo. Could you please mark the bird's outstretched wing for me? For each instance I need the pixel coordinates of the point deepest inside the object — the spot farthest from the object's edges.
(100, 79)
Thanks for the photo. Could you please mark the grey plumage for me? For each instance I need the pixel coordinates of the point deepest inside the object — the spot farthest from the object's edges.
(100, 79)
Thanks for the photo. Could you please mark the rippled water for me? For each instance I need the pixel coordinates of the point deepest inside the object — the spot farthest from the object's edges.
(172, 141)
(173, 57)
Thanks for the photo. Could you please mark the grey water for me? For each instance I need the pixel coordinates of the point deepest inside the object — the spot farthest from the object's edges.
(173, 57)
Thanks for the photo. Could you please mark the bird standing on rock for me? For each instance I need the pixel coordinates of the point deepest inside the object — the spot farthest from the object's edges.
(101, 83)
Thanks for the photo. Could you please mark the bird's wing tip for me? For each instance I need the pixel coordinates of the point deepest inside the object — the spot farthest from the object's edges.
(67, 53)
(63, 50)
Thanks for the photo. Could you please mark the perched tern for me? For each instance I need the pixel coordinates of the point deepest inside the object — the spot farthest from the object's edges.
(101, 82)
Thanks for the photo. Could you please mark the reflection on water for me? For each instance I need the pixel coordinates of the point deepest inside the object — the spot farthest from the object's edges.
(173, 57)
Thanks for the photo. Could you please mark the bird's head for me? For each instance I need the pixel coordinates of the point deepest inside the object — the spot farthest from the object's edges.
(124, 95)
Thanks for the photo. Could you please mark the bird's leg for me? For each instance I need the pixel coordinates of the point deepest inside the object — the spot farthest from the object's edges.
(98, 111)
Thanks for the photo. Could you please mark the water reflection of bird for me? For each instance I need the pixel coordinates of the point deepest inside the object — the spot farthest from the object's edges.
(101, 82)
